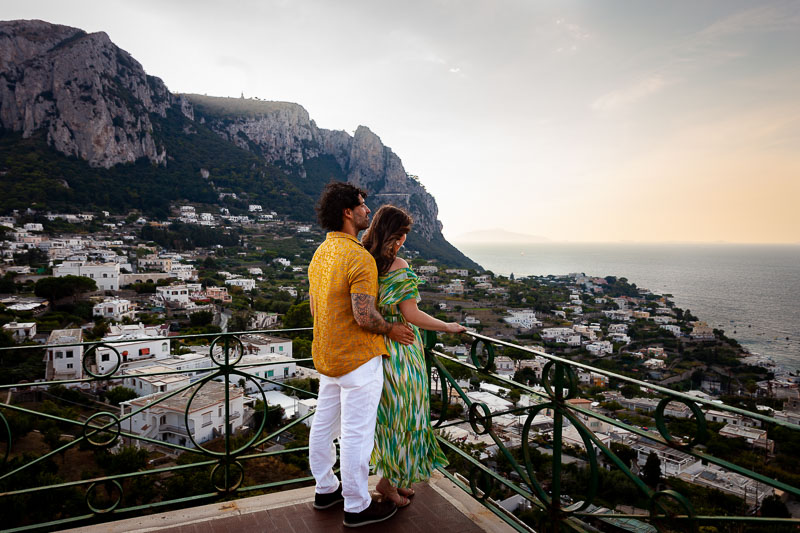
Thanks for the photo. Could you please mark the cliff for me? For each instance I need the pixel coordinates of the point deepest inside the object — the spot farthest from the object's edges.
(284, 134)
(89, 100)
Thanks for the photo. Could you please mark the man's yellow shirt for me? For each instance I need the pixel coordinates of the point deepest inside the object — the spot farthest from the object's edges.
(341, 267)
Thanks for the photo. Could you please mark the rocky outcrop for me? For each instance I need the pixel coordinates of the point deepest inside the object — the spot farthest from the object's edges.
(92, 99)
(285, 134)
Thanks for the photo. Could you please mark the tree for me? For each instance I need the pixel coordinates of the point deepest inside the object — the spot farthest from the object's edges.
(772, 506)
(201, 318)
(651, 473)
(57, 288)
(298, 316)
(239, 321)
(120, 394)
(624, 452)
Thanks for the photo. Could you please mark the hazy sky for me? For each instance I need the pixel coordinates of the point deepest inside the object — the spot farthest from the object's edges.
(578, 121)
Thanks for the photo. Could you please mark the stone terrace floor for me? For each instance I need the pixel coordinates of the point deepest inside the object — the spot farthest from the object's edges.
(438, 506)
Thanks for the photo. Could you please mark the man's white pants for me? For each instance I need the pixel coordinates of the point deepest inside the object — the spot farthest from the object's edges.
(347, 408)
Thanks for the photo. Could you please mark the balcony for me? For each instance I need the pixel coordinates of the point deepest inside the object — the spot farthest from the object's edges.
(540, 454)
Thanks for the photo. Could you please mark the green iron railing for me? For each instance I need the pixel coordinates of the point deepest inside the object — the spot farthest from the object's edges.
(111, 497)
(104, 429)
(552, 510)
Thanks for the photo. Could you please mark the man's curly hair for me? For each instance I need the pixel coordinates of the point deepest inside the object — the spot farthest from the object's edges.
(337, 197)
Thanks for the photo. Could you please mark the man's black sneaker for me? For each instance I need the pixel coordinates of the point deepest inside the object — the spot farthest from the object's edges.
(376, 512)
(324, 501)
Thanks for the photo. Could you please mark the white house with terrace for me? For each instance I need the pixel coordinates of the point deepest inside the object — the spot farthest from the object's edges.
(166, 420)
(64, 362)
(244, 283)
(523, 319)
(132, 342)
(113, 309)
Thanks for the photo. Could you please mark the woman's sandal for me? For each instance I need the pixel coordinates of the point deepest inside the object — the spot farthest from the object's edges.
(393, 495)
(406, 492)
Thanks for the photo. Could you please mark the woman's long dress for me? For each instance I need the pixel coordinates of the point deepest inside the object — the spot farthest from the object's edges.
(406, 450)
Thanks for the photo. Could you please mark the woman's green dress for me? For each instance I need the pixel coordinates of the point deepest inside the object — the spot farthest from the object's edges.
(406, 450)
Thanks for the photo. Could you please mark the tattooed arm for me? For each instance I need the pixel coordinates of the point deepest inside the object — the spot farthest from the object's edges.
(367, 316)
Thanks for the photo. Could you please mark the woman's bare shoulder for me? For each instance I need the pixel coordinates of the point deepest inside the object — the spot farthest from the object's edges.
(397, 264)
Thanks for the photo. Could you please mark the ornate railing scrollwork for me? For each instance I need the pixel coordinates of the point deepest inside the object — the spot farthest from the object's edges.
(666, 509)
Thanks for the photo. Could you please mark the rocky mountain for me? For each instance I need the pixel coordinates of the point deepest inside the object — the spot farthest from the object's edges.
(284, 134)
(88, 100)
(92, 99)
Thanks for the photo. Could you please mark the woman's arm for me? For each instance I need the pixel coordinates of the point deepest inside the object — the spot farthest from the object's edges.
(423, 320)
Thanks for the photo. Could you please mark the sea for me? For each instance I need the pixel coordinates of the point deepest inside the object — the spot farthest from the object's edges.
(752, 292)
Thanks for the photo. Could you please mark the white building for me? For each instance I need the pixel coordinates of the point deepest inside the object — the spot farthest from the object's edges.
(600, 348)
(734, 419)
(166, 420)
(618, 328)
(260, 344)
(177, 294)
(145, 385)
(291, 290)
(458, 271)
(427, 269)
(20, 331)
(655, 364)
(244, 283)
(183, 271)
(504, 365)
(282, 261)
(105, 275)
(673, 462)
(523, 319)
(132, 342)
(672, 328)
(113, 309)
(64, 362)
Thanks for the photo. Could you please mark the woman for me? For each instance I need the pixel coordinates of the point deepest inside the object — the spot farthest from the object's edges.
(405, 450)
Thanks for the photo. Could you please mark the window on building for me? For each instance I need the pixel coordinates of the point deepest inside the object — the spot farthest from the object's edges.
(69, 365)
(105, 357)
(219, 411)
(59, 355)
(165, 347)
(163, 419)
(271, 349)
(68, 354)
(286, 371)
(144, 351)
(206, 419)
(280, 348)
(270, 373)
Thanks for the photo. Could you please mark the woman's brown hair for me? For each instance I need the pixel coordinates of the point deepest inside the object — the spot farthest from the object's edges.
(388, 226)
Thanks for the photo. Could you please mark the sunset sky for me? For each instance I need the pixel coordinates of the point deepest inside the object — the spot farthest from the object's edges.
(575, 121)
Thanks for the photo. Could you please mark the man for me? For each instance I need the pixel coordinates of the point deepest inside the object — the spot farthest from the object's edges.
(347, 349)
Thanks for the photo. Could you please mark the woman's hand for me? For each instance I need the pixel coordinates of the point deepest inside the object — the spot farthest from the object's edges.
(454, 327)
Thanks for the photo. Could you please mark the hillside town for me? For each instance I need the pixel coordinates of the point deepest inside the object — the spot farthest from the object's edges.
(201, 272)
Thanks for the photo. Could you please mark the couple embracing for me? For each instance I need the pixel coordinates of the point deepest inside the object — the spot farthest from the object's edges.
(373, 390)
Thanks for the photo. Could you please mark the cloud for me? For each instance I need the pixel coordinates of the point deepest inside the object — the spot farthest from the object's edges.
(455, 70)
(569, 36)
(627, 96)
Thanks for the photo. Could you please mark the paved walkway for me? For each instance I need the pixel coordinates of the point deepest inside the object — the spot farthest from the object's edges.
(438, 506)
